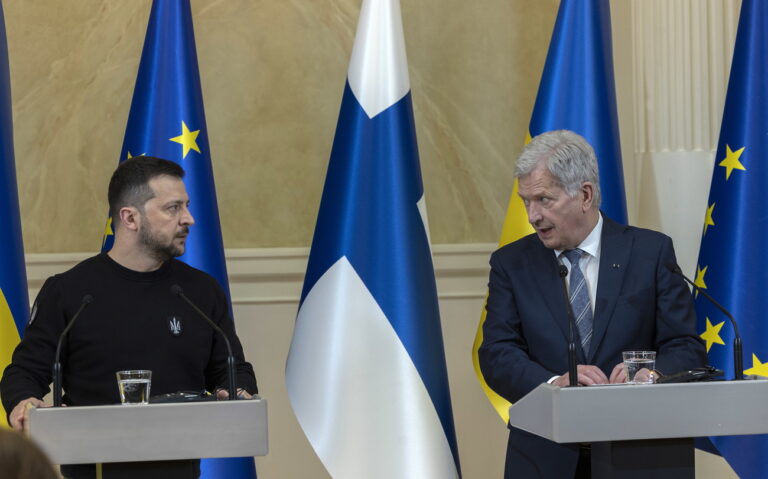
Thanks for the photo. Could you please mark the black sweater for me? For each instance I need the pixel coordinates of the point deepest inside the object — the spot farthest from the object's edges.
(127, 326)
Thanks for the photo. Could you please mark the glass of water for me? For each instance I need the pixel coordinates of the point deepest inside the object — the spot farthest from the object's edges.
(134, 386)
(640, 366)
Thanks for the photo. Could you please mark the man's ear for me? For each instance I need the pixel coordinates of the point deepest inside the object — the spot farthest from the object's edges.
(130, 218)
(587, 195)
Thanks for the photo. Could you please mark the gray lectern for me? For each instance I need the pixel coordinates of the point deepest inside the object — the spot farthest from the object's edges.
(152, 432)
(643, 430)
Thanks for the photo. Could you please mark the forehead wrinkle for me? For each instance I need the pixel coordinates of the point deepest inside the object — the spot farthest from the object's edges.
(538, 183)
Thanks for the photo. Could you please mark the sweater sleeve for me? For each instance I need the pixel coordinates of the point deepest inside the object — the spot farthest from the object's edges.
(29, 374)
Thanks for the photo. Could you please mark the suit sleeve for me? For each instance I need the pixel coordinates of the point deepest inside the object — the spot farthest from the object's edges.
(503, 355)
(216, 372)
(677, 344)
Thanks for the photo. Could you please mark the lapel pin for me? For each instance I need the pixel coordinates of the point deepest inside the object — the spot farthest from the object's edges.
(616, 265)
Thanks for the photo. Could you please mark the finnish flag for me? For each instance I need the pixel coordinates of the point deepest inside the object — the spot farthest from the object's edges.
(366, 372)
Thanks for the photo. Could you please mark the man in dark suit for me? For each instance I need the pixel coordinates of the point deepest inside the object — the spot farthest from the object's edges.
(622, 294)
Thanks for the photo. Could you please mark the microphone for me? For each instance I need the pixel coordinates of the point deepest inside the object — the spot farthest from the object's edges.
(87, 299)
(572, 374)
(176, 290)
(738, 356)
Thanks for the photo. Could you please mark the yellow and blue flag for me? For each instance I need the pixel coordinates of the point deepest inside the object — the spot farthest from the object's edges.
(733, 256)
(366, 372)
(167, 120)
(577, 93)
(14, 298)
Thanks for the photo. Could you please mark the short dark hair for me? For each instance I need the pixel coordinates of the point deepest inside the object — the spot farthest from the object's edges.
(129, 185)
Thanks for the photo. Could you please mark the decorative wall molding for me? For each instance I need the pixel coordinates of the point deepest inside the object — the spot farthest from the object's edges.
(276, 275)
(682, 53)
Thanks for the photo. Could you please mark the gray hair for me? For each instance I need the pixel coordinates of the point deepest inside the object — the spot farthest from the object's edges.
(567, 156)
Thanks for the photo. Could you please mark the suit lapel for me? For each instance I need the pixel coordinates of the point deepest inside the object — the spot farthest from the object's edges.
(550, 287)
(615, 250)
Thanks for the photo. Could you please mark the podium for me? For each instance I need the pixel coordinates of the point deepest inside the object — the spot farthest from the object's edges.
(151, 432)
(643, 430)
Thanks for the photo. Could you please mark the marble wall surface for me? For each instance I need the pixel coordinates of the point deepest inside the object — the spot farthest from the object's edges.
(273, 72)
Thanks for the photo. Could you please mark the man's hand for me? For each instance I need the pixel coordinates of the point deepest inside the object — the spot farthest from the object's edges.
(224, 394)
(619, 374)
(588, 375)
(18, 417)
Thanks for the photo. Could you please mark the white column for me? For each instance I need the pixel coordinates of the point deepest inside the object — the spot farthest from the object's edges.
(680, 53)
(672, 60)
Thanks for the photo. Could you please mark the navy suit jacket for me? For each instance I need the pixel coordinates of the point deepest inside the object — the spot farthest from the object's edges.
(640, 305)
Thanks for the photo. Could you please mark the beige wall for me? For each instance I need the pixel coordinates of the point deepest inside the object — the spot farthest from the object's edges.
(273, 72)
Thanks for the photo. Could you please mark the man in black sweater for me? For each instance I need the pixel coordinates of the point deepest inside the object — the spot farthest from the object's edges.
(134, 320)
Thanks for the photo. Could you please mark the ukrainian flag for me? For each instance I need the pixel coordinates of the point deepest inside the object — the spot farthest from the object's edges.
(14, 298)
(576, 93)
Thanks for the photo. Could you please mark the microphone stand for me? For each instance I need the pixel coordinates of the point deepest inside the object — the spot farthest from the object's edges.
(738, 356)
(572, 373)
(87, 299)
(176, 289)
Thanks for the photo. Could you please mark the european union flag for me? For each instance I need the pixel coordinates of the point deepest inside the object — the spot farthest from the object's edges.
(577, 92)
(14, 298)
(167, 120)
(366, 372)
(734, 254)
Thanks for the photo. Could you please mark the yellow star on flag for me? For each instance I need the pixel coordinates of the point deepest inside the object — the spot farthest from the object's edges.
(708, 221)
(187, 139)
(107, 231)
(131, 156)
(758, 368)
(712, 334)
(731, 161)
(699, 281)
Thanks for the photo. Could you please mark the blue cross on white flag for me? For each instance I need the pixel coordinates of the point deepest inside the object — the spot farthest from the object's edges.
(366, 372)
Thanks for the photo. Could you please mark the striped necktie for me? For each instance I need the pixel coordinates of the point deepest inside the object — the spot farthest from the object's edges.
(579, 297)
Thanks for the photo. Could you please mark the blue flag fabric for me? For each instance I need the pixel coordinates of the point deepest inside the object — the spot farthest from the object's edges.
(367, 362)
(577, 92)
(167, 120)
(14, 298)
(733, 255)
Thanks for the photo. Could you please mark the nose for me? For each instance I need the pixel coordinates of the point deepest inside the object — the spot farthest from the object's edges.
(186, 217)
(534, 214)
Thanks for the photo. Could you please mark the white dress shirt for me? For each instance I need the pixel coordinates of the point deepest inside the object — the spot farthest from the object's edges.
(589, 263)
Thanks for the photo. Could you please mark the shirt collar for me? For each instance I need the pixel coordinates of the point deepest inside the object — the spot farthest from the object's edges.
(591, 243)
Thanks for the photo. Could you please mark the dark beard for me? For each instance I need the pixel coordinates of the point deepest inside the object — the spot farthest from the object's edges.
(156, 249)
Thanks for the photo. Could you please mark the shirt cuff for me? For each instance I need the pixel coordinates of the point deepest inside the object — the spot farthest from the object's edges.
(552, 379)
